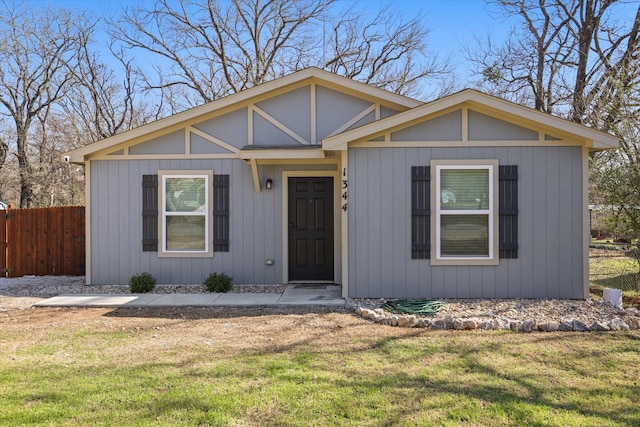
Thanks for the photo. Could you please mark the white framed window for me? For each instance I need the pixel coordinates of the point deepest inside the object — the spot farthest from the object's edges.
(186, 213)
(465, 225)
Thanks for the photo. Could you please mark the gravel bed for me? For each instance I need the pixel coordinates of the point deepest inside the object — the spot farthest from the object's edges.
(49, 286)
(521, 315)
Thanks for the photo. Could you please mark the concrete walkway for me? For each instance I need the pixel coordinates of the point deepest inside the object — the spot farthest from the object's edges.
(294, 295)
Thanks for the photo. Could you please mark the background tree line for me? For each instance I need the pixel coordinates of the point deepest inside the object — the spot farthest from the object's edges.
(61, 87)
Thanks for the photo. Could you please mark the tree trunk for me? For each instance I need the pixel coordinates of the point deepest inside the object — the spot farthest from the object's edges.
(26, 189)
(585, 37)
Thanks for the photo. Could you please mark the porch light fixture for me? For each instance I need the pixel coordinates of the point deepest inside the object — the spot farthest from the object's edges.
(268, 185)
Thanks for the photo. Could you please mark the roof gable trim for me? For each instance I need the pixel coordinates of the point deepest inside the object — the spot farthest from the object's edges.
(485, 104)
(269, 89)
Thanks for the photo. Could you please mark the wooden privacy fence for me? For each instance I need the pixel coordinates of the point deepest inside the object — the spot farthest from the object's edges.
(42, 241)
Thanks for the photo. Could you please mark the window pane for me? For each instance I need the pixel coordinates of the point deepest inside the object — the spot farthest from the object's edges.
(185, 233)
(464, 235)
(464, 189)
(185, 194)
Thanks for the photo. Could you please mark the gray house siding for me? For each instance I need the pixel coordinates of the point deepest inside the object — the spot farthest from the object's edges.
(313, 124)
(550, 239)
(255, 224)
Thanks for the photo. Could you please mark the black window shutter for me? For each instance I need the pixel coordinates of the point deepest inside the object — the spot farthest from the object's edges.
(150, 213)
(221, 213)
(508, 205)
(420, 212)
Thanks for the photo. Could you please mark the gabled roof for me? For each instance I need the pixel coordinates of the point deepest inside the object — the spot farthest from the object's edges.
(591, 138)
(201, 112)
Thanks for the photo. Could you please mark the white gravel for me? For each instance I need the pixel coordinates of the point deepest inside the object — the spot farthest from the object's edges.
(49, 286)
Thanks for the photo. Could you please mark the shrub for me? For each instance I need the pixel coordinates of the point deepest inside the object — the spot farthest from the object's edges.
(218, 282)
(142, 283)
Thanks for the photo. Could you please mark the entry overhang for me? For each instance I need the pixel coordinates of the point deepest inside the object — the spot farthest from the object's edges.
(260, 152)
(252, 153)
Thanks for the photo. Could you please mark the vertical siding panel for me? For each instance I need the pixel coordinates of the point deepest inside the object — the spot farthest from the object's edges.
(100, 238)
(355, 288)
(271, 227)
(128, 192)
(358, 242)
(463, 282)
(566, 214)
(113, 219)
(476, 278)
(539, 233)
(374, 223)
(489, 282)
(438, 282)
(269, 239)
(449, 281)
(278, 248)
(400, 186)
(134, 248)
(556, 207)
(260, 233)
(577, 235)
(573, 252)
(391, 284)
(237, 187)
(524, 274)
(248, 209)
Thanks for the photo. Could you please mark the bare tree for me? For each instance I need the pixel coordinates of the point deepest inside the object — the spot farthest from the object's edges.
(36, 51)
(4, 151)
(529, 66)
(103, 100)
(207, 50)
(204, 50)
(567, 57)
(385, 50)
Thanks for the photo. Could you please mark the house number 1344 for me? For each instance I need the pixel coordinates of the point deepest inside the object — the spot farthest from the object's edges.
(345, 184)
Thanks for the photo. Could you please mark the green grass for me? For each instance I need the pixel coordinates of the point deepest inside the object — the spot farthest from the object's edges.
(612, 269)
(79, 375)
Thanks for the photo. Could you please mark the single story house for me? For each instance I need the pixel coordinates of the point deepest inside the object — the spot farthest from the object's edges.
(314, 177)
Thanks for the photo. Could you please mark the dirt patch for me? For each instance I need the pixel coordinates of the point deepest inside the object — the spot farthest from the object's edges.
(275, 329)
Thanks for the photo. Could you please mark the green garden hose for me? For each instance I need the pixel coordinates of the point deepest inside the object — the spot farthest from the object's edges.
(420, 307)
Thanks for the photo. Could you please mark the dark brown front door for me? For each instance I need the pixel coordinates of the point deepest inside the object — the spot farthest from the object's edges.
(310, 229)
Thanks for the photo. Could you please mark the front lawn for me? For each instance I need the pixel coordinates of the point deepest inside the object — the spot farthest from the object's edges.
(251, 368)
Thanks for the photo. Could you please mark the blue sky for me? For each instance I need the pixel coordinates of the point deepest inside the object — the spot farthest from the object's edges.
(452, 23)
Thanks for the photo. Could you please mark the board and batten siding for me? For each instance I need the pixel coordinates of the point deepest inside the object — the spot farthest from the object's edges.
(255, 224)
(549, 263)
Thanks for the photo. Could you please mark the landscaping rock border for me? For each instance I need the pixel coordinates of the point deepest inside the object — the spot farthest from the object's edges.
(49, 286)
(522, 315)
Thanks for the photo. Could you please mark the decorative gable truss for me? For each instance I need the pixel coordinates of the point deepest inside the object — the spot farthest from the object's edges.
(471, 119)
(462, 124)
(283, 125)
